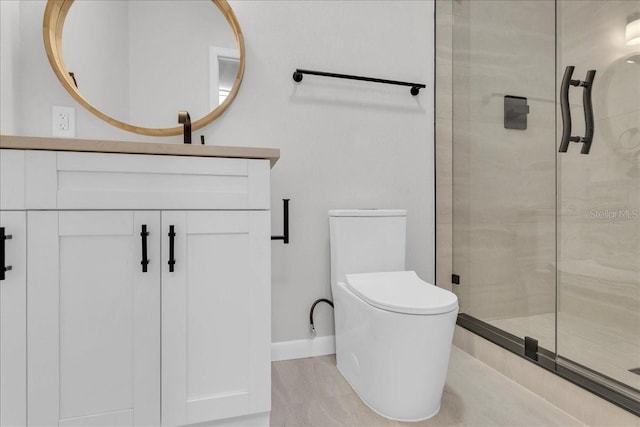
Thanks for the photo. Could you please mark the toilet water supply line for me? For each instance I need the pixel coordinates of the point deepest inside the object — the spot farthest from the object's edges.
(312, 328)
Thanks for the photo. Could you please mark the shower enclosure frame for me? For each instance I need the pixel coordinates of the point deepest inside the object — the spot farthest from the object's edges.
(598, 384)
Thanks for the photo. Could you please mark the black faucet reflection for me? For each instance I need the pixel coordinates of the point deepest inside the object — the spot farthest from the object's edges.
(185, 120)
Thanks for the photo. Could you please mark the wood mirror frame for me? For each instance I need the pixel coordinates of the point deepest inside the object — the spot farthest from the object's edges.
(54, 17)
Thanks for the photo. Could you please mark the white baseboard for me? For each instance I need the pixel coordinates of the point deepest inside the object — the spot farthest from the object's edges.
(253, 420)
(299, 349)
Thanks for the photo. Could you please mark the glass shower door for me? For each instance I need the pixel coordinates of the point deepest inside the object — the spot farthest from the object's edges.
(504, 204)
(546, 234)
(598, 240)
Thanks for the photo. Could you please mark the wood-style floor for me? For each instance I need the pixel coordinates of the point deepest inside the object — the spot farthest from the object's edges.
(311, 392)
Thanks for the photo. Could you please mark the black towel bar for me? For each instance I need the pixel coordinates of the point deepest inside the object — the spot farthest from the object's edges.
(415, 87)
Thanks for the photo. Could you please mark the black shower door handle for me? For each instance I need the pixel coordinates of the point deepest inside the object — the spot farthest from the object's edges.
(566, 110)
(588, 111)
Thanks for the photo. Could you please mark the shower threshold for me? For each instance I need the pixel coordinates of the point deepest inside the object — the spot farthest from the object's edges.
(617, 393)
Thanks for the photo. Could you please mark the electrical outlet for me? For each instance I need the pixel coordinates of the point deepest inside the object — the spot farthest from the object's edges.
(63, 121)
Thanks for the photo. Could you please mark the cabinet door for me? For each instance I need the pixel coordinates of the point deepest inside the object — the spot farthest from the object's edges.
(13, 322)
(216, 334)
(93, 319)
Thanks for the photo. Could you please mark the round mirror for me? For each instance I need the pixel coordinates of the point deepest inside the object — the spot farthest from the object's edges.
(136, 64)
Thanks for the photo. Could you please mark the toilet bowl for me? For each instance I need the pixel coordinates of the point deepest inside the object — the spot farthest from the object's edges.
(393, 330)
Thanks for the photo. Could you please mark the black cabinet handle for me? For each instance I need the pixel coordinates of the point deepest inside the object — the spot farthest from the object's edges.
(172, 236)
(3, 267)
(145, 261)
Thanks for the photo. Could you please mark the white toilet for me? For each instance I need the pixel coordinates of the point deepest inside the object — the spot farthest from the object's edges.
(393, 330)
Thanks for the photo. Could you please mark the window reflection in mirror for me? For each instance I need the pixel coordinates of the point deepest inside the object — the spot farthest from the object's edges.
(223, 68)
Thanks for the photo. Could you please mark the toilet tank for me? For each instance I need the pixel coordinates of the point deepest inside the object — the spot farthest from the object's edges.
(366, 241)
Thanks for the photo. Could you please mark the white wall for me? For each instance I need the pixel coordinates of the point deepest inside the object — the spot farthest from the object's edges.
(9, 48)
(344, 144)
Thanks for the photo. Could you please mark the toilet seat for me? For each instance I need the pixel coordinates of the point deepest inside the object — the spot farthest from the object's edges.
(401, 292)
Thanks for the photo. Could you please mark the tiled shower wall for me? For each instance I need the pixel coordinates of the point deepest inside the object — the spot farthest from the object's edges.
(503, 212)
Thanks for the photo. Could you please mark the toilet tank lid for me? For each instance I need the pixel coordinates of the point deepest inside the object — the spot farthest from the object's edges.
(368, 212)
(401, 292)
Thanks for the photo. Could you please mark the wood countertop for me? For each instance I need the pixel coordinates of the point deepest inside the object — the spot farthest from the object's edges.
(124, 147)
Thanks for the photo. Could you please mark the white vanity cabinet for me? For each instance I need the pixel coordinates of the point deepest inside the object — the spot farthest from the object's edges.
(215, 311)
(94, 316)
(13, 321)
(111, 344)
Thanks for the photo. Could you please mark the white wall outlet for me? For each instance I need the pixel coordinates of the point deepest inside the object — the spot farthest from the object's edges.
(63, 121)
